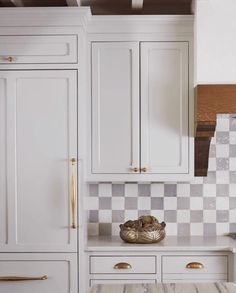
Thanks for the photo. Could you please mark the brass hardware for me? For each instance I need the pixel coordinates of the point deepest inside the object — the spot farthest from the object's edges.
(73, 193)
(122, 266)
(17, 279)
(135, 169)
(194, 265)
(9, 59)
(144, 169)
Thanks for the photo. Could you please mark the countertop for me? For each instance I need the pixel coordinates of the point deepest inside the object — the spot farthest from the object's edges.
(166, 288)
(170, 243)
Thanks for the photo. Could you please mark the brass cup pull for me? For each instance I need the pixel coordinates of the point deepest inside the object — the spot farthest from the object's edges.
(144, 169)
(20, 278)
(122, 266)
(73, 194)
(135, 169)
(9, 59)
(194, 265)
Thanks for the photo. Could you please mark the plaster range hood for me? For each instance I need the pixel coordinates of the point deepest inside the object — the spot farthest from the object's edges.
(210, 100)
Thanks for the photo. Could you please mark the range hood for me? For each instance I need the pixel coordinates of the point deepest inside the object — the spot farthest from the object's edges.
(210, 100)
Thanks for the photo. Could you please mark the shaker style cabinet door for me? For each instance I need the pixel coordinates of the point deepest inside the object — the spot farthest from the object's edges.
(115, 108)
(38, 273)
(41, 123)
(164, 107)
(3, 167)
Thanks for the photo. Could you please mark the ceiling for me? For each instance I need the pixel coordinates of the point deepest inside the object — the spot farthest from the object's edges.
(102, 7)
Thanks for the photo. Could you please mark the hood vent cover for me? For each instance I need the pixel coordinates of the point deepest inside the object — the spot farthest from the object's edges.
(210, 100)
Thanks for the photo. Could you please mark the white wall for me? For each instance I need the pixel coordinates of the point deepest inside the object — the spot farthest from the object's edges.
(215, 37)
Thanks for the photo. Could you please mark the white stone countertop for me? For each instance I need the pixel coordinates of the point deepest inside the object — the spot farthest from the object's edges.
(166, 288)
(170, 243)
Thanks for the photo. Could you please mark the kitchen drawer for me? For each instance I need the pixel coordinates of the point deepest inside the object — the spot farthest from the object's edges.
(208, 279)
(118, 281)
(52, 273)
(122, 264)
(38, 49)
(210, 265)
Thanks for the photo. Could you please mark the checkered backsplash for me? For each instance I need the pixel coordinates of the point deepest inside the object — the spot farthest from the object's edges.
(204, 206)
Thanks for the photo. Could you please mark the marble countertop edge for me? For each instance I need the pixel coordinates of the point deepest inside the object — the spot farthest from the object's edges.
(170, 243)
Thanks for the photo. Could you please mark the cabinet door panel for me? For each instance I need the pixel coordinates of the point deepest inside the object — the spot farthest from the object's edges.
(164, 107)
(42, 139)
(59, 272)
(3, 153)
(115, 107)
(38, 49)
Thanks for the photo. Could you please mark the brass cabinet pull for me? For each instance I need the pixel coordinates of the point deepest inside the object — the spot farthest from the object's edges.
(73, 193)
(194, 265)
(9, 59)
(122, 266)
(144, 169)
(17, 279)
(135, 169)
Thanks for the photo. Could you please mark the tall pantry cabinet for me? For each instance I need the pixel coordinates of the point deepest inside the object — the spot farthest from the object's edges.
(39, 81)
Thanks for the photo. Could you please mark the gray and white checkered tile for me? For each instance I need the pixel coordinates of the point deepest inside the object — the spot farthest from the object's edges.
(205, 206)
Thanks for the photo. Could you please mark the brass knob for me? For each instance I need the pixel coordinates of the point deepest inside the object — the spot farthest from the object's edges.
(9, 59)
(73, 161)
(194, 265)
(122, 266)
(135, 169)
(144, 169)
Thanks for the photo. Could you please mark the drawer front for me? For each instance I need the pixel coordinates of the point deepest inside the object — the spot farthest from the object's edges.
(38, 273)
(105, 281)
(194, 278)
(195, 265)
(122, 264)
(207, 280)
(38, 49)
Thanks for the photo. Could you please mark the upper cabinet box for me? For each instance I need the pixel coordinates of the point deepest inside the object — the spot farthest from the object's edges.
(38, 49)
(140, 111)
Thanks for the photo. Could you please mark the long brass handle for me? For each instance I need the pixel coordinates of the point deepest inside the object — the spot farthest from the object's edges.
(9, 59)
(17, 279)
(73, 194)
(194, 265)
(122, 266)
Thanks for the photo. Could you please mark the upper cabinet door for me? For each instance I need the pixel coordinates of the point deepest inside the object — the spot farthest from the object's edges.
(164, 107)
(41, 141)
(3, 167)
(115, 107)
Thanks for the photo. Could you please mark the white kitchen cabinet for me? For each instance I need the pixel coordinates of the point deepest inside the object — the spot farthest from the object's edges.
(173, 260)
(140, 111)
(41, 140)
(27, 273)
(115, 107)
(199, 268)
(119, 264)
(164, 107)
(38, 49)
(155, 266)
(124, 281)
(3, 168)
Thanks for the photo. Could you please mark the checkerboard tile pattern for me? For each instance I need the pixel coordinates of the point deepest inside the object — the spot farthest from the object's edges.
(205, 206)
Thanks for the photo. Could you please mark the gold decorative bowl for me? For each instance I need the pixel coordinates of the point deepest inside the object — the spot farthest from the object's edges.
(145, 230)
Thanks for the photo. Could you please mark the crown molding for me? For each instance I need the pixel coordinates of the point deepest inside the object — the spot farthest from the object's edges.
(45, 16)
(141, 24)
